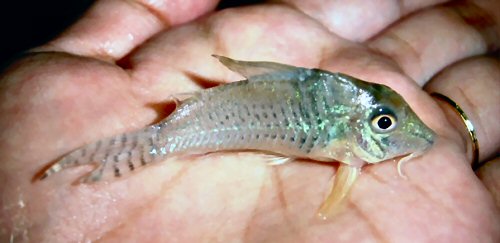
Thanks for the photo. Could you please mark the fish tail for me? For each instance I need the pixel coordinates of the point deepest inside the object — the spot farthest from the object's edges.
(77, 157)
(113, 157)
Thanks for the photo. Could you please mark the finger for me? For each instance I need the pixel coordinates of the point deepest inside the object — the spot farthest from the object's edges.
(112, 28)
(490, 176)
(473, 85)
(180, 60)
(358, 20)
(428, 41)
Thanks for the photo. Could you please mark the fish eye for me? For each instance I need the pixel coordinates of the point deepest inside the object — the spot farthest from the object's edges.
(383, 120)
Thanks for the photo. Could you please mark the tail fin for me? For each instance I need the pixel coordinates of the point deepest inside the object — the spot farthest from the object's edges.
(113, 156)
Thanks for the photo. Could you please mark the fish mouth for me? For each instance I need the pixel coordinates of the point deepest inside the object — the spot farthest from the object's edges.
(426, 135)
(429, 140)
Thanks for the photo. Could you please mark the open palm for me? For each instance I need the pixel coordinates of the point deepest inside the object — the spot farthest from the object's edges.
(115, 70)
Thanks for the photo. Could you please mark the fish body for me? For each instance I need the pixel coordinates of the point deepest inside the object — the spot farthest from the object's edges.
(284, 110)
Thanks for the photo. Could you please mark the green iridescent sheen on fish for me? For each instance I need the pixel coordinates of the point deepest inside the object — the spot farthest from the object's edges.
(286, 111)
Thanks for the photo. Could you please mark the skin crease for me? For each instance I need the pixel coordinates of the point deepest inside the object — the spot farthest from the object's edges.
(74, 90)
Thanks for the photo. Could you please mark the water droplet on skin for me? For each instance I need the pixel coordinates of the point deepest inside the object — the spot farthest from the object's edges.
(153, 151)
(108, 48)
(21, 203)
(130, 37)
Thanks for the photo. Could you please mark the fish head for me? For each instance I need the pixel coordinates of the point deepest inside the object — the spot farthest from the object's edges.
(386, 126)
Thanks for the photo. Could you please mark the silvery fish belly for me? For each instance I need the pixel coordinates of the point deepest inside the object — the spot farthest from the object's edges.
(283, 110)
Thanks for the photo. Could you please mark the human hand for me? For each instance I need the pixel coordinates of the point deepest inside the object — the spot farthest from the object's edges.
(102, 78)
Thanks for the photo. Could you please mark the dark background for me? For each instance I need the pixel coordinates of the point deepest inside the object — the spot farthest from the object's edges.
(29, 23)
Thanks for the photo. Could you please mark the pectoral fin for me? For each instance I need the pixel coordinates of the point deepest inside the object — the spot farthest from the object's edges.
(276, 160)
(258, 71)
(344, 179)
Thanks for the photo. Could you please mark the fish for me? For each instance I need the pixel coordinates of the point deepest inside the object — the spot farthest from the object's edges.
(286, 112)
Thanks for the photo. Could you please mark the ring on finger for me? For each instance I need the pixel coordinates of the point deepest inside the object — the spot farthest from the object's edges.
(468, 124)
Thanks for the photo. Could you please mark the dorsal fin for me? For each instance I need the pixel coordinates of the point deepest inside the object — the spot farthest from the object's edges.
(259, 71)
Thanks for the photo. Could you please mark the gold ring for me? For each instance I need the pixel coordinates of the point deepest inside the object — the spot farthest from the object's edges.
(468, 124)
